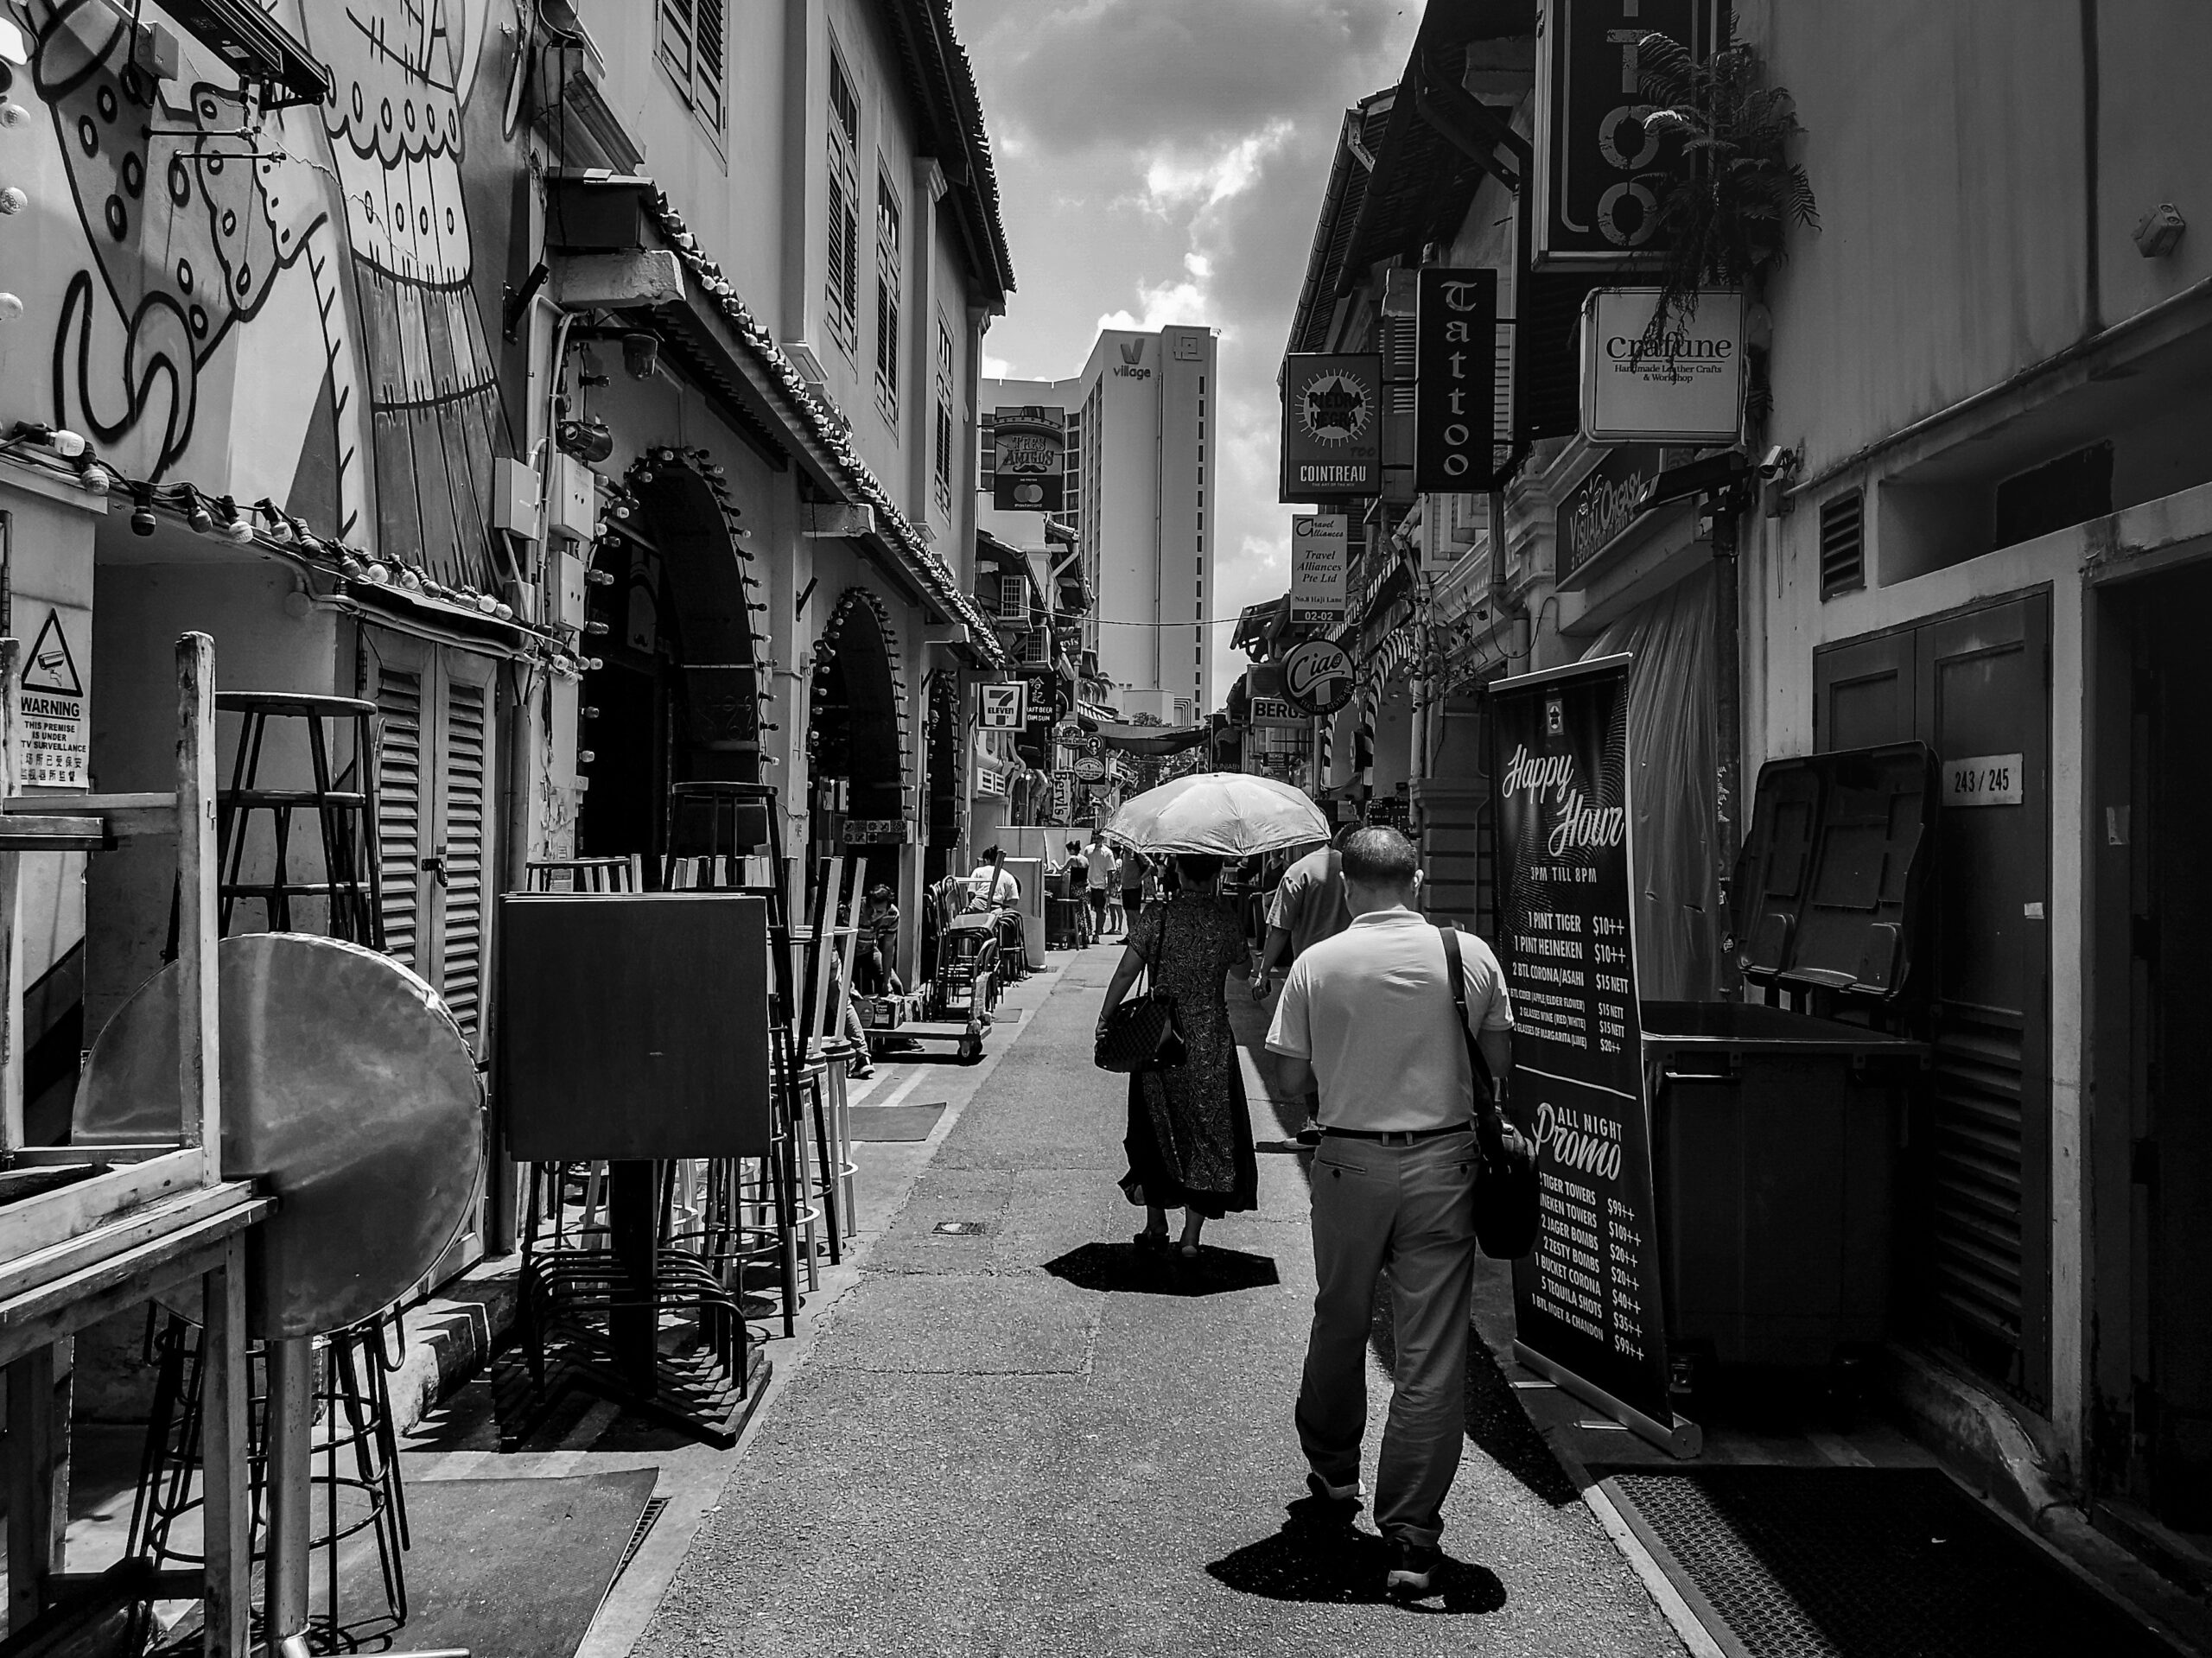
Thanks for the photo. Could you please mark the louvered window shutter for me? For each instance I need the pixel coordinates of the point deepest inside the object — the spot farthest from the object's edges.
(1843, 544)
(852, 256)
(402, 809)
(707, 94)
(837, 303)
(465, 784)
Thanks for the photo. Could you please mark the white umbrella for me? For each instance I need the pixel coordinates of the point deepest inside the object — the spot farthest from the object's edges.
(1226, 814)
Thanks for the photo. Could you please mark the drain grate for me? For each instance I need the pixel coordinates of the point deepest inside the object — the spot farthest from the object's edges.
(959, 1228)
(655, 1507)
(1864, 1563)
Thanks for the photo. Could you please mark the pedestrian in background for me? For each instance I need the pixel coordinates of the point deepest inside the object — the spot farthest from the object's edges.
(1367, 1018)
(1190, 1135)
(1102, 870)
(1136, 871)
(1308, 906)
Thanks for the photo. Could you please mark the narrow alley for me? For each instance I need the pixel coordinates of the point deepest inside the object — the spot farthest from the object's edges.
(1018, 1441)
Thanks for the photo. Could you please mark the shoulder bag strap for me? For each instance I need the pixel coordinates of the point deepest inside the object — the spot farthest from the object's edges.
(1485, 1112)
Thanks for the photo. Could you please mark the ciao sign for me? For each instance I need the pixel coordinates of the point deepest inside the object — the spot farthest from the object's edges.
(1599, 173)
(1455, 363)
(1317, 678)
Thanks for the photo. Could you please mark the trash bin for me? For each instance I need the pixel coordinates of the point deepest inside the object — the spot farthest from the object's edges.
(1776, 1134)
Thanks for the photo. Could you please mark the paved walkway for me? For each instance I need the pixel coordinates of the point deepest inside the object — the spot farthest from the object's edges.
(1010, 1443)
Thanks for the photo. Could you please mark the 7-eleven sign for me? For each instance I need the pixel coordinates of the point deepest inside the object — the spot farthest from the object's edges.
(1003, 708)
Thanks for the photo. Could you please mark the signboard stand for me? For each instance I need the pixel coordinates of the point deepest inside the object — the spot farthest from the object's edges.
(1586, 1301)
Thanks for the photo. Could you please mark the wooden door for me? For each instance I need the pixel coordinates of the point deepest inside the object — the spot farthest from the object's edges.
(435, 816)
(1975, 687)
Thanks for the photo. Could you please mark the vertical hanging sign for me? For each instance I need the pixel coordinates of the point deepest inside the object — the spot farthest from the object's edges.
(1331, 425)
(1599, 174)
(1586, 1302)
(1455, 363)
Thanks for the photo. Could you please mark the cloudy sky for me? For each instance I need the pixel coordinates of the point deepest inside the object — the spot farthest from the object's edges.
(1162, 161)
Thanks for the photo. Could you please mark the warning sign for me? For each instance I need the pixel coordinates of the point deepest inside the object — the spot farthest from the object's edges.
(56, 712)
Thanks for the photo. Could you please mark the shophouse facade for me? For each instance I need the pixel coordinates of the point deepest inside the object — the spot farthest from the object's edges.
(596, 397)
(1977, 519)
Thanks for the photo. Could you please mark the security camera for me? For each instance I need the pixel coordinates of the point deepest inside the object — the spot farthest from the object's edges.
(1777, 458)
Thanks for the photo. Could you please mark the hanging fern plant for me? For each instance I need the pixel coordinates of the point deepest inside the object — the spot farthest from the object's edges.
(1725, 220)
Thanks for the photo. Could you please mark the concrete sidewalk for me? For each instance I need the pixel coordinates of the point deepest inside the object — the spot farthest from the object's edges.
(1006, 1442)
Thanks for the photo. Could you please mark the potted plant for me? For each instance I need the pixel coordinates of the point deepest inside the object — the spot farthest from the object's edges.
(1725, 217)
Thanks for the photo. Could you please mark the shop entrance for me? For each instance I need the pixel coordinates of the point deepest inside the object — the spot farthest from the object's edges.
(2153, 1154)
(676, 695)
(1974, 686)
(855, 752)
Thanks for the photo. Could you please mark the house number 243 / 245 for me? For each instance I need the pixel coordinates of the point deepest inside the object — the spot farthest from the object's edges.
(1982, 780)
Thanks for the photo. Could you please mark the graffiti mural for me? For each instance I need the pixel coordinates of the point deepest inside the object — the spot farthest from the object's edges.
(284, 303)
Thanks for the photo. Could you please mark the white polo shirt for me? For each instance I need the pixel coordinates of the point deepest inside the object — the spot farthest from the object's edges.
(1370, 1010)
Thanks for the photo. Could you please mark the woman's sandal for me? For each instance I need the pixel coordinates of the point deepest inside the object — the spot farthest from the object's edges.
(1150, 1242)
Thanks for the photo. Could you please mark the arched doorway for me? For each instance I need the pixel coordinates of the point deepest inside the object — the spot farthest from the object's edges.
(676, 693)
(856, 737)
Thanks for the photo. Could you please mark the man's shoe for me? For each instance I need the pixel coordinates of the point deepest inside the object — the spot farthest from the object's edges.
(1348, 1496)
(1412, 1568)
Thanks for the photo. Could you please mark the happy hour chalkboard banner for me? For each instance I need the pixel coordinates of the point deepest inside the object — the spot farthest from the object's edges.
(1586, 1302)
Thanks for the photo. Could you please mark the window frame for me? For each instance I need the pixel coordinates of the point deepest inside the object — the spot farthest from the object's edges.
(679, 20)
(890, 237)
(840, 211)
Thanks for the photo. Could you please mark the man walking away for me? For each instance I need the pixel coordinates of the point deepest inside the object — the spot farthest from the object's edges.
(1104, 868)
(1368, 1017)
(1308, 906)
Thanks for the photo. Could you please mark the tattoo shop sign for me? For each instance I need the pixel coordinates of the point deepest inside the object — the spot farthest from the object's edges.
(1586, 1301)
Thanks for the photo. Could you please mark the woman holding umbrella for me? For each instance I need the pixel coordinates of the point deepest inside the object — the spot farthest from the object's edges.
(1190, 1135)
(1190, 1139)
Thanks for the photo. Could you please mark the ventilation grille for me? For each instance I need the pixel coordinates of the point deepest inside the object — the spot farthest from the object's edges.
(1843, 544)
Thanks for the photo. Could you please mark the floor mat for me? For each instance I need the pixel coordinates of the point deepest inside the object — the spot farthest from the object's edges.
(1863, 1563)
(516, 1567)
(882, 1123)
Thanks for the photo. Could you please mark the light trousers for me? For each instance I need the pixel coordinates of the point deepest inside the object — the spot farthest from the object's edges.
(1408, 1209)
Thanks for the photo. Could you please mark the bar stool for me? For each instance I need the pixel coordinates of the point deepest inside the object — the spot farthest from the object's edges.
(837, 1055)
(351, 879)
(354, 1438)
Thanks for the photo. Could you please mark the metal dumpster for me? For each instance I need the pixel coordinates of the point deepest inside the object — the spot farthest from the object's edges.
(1775, 1133)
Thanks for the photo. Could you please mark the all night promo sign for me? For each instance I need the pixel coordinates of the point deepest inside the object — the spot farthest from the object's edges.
(1588, 1299)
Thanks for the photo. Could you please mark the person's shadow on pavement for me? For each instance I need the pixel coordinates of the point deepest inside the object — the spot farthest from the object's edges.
(1118, 1268)
(1316, 1556)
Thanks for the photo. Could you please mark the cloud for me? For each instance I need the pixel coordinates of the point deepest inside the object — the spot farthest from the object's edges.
(1070, 75)
(1163, 160)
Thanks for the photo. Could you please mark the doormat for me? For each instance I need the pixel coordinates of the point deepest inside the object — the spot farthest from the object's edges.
(1862, 1563)
(881, 1122)
(513, 1567)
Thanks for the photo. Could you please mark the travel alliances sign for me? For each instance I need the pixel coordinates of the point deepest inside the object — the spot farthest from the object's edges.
(1331, 425)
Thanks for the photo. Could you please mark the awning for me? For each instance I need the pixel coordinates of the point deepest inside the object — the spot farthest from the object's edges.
(1153, 740)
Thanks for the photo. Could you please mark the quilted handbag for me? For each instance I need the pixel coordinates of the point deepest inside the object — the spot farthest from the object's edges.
(1508, 1197)
(1141, 1034)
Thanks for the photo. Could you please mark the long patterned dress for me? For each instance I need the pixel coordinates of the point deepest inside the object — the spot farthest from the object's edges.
(1190, 1139)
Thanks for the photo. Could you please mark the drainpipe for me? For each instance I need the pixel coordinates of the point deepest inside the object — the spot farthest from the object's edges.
(1728, 507)
(1504, 606)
